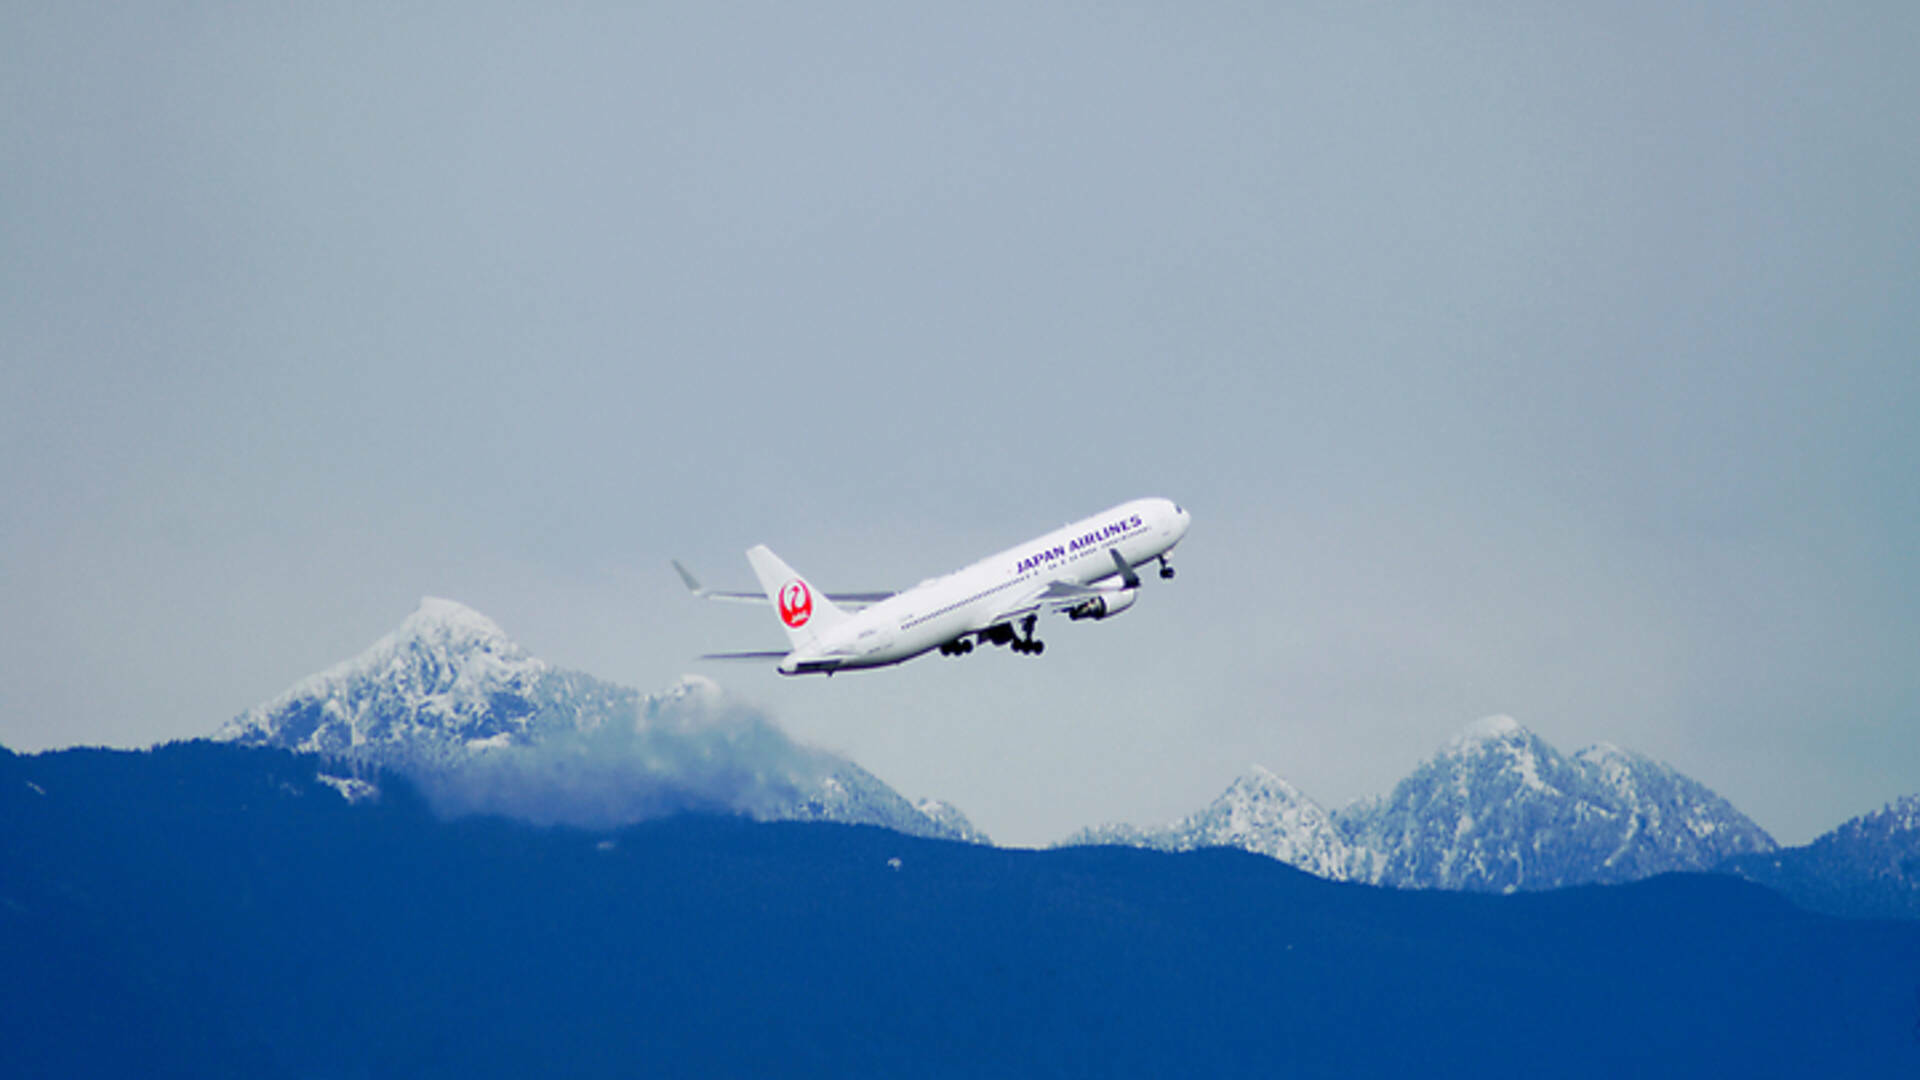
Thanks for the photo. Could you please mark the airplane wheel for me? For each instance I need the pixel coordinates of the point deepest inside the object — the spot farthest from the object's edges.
(1166, 573)
(1039, 647)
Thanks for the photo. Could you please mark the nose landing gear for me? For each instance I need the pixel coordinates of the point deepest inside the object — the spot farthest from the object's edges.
(1166, 569)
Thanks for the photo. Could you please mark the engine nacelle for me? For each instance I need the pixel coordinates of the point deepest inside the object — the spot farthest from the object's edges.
(1104, 606)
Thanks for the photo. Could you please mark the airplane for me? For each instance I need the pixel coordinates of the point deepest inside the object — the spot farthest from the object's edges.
(1084, 570)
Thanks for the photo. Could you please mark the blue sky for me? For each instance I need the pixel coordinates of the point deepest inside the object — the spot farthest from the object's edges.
(1557, 362)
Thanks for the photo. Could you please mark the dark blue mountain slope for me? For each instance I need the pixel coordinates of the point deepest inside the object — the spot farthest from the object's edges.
(1869, 867)
(217, 910)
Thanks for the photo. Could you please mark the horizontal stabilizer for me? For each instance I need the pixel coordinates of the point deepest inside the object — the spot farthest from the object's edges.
(763, 655)
(701, 591)
(854, 600)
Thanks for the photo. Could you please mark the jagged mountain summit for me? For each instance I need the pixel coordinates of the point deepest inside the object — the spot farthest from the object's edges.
(1259, 812)
(1869, 867)
(1496, 810)
(445, 683)
(449, 700)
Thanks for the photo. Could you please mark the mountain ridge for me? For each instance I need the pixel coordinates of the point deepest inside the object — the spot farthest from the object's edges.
(1866, 867)
(1496, 808)
(450, 700)
(207, 909)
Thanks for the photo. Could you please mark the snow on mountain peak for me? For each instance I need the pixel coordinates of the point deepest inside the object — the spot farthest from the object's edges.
(446, 674)
(468, 646)
(1502, 743)
(450, 700)
(1496, 809)
(691, 690)
(1260, 778)
(1606, 751)
(1255, 769)
(1619, 769)
(1488, 729)
(1259, 812)
(449, 620)
(1500, 809)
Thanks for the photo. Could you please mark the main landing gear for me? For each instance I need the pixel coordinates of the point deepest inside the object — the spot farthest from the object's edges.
(1027, 644)
(1002, 634)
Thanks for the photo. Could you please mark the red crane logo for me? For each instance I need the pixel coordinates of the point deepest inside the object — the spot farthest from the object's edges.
(796, 603)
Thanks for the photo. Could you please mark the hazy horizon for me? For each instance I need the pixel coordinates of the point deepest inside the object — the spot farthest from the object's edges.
(1555, 363)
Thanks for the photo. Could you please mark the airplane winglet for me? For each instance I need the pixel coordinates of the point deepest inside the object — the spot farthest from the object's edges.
(693, 585)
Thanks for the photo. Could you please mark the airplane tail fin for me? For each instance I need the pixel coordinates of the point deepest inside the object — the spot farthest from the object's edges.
(804, 611)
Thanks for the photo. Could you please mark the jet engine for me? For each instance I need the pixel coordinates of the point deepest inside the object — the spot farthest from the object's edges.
(1101, 607)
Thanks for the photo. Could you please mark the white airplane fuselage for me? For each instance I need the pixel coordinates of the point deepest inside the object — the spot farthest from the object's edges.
(1071, 570)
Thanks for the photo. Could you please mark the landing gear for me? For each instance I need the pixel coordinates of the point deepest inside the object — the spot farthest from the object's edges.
(956, 647)
(1166, 570)
(1026, 644)
(1003, 634)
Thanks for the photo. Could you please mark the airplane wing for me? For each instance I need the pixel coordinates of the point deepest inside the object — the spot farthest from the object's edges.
(1058, 596)
(853, 600)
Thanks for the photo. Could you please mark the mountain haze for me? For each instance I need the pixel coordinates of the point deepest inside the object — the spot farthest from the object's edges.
(482, 726)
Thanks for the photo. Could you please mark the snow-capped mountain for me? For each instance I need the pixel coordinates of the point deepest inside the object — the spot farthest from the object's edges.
(443, 684)
(1866, 868)
(849, 793)
(949, 815)
(449, 700)
(1497, 809)
(1259, 812)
